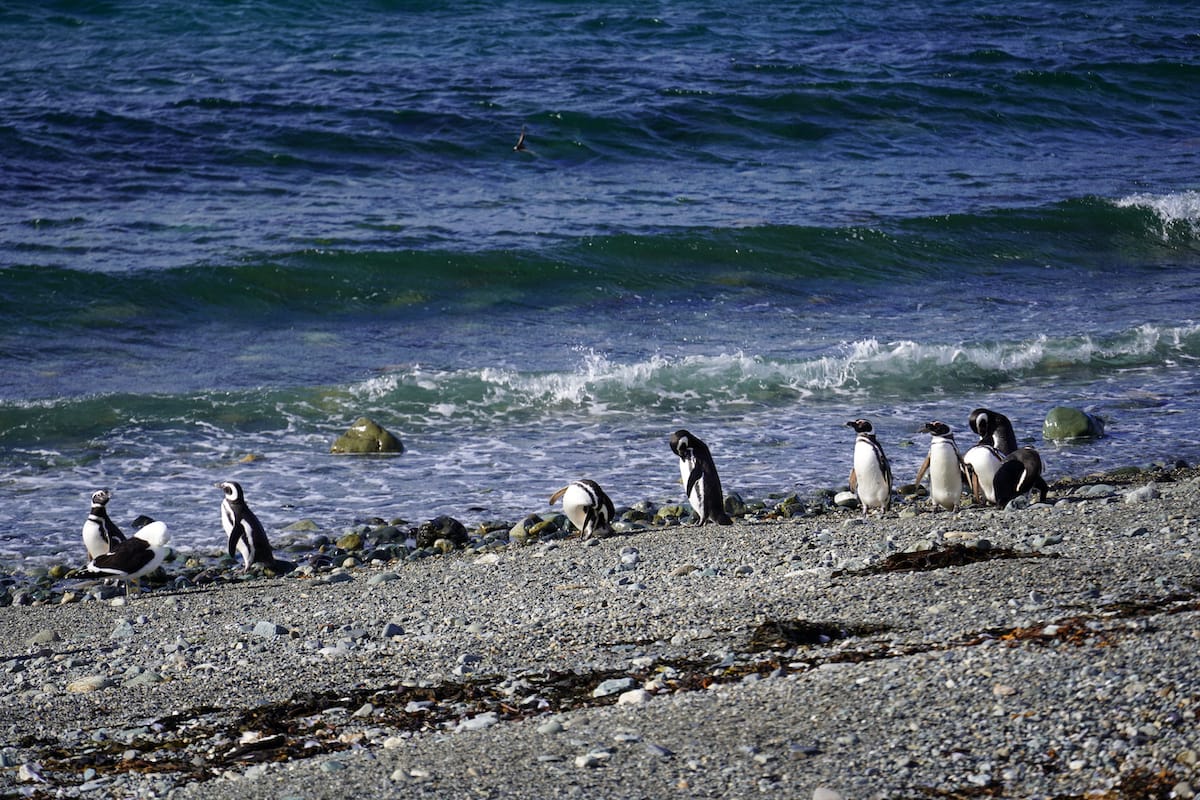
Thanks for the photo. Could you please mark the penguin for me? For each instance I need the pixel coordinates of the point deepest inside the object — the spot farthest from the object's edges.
(871, 475)
(135, 557)
(981, 463)
(700, 480)
(245, 533)
(99, 532)
(520, 145)
(1021, 472)
(994, 429)
(944, 465)
(587, 506)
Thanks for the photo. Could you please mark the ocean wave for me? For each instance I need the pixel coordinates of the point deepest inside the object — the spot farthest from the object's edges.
(1176, 212)
(724, 383)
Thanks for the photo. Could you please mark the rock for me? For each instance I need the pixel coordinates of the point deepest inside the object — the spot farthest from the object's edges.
(91, 683)
(443, 527)
(269, 629)
(612, 686)
(593, 758)
(44, 636)
(633, 697)
(366, 436)
(845, 500)
(392, 629)
(1143, 494)
(382, 577)
(350, 541)
(1065, 423)
(303, 526)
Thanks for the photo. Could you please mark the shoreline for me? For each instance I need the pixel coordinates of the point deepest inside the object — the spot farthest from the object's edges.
(768, 656)
(304, 544)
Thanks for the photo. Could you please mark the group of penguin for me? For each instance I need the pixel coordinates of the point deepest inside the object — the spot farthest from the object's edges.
(110, 553)
(995, 470)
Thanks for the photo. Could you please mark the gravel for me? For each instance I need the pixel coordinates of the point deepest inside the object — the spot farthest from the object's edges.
(769, 657)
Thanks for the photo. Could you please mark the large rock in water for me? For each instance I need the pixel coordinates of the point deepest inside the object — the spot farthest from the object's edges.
(1064, 422)
(367, 436)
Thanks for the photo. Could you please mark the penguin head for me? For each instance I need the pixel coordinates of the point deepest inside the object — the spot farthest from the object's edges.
(681, 443)
(860, 426)
(936, 428)
(101, 497)
(233, 491)
(980, 421)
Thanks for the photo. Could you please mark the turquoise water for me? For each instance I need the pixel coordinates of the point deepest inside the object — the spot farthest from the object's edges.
(231, 229)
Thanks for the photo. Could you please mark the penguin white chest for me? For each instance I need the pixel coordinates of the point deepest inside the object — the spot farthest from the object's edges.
(872, 483)
(576, 502)
(945, 476)
(93, 538)
(696, 495)
(985, 461)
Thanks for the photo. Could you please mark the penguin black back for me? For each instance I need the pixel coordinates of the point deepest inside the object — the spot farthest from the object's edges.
(1020, 473)
(701, 482)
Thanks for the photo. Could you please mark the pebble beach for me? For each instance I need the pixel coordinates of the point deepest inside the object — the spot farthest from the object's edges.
(1043, 651)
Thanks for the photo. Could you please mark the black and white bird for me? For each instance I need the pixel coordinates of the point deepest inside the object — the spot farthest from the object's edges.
(944, 466)
(137, 556)
(871, 475)
(245, 534)
(587, 506)
(100, 533)
(1020, 473)
(981, 463)
(993, 429)
(701, 483)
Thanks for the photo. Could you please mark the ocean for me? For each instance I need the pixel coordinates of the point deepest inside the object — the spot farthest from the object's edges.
(229, 229)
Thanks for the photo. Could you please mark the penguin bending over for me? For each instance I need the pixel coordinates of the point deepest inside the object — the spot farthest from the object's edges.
(871, 475)
(246, 535)
(981, 463)
(1020, 473)
(139, 555)
(100, 533)
(587, 506)
(944, 466)
(700, 480)
(994, 429)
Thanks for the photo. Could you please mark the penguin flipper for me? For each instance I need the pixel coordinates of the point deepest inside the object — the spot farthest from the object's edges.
(921, 472)
(696, 475)
(554, 498)
(236, 533)
(853, 481)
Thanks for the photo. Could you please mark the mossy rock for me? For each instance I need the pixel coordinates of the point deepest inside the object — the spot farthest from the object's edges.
(1064, 423)
(366, 436)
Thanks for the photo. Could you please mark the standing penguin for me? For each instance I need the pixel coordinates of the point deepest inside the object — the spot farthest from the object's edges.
(944, 466)
(981, 463)
(100, 533)
(245, 533)
(871, 475)
(700, 480)
(587, 506)
(994, 429)
(1021, 472)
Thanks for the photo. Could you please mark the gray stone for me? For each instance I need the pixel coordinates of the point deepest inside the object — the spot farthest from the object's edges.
(269, 629)
(612, 686)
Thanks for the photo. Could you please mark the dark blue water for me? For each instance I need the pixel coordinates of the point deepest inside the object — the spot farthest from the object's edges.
(230, 229)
